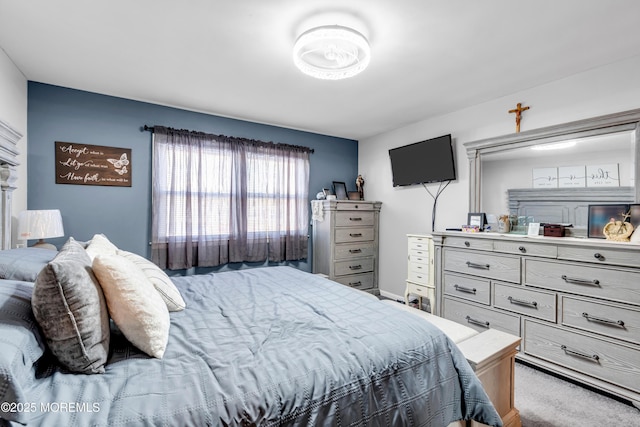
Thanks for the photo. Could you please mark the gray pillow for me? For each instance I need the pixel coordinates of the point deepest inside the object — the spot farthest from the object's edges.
(70, 308)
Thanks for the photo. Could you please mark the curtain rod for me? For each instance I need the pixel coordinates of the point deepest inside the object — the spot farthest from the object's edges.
(151, 129)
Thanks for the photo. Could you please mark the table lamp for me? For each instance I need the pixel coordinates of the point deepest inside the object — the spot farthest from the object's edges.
(40, 224)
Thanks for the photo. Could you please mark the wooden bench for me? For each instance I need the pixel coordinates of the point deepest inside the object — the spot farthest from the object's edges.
(491, 354)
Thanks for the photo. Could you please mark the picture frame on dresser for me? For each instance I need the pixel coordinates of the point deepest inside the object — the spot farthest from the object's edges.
(478, 219)
(340, 190)
(600, 215)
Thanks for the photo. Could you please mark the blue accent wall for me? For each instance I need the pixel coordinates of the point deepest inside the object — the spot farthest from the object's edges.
(123, 214)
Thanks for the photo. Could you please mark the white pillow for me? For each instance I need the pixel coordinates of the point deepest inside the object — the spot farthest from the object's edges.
(134, 304)
(160, 280)
(100, 245)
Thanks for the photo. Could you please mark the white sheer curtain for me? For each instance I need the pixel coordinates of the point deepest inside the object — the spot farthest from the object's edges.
(218, 200)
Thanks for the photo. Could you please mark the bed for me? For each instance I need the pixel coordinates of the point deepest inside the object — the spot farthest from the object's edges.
(271, 346)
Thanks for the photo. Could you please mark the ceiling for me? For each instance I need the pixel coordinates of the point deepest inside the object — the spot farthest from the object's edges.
(233, 58)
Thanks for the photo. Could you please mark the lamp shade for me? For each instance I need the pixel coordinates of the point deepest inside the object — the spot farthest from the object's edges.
(40, 224)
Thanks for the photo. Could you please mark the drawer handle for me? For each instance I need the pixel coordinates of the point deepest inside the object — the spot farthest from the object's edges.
(598, 256)
(567, 350)
(355, 251)
(355, 234)
(355, 219)
(522, 249)
(355, 267)
(465, 289)
(477, 322)
(358, 283)
(603, 320)
(478, 266)
(466, 243)
(580, 281)
(513, 300)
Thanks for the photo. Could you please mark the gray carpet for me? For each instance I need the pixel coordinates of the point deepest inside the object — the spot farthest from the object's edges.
(546, 401)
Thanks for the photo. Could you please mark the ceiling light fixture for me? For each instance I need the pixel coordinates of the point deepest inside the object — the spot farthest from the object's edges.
(331, 52)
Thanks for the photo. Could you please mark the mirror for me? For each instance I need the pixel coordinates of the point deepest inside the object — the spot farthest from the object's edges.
(552, 174)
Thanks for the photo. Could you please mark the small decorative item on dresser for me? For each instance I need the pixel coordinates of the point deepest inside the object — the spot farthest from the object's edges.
(617, 230)
(360, 186)
(553, 230)
(354, 195)
(504, 225)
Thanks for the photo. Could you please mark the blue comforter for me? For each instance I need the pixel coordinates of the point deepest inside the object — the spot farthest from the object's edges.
(272, 347)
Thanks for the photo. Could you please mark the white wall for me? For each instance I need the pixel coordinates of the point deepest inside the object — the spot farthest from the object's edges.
(13, 111)
(600, 91)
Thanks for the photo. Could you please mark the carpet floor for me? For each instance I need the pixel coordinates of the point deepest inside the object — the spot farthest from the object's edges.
(547, 401)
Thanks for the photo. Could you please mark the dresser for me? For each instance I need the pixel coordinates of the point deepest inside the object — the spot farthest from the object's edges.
(345, 242)
(420, 270)
(574, 302)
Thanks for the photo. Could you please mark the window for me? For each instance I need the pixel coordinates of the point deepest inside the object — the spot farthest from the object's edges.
(218, 199)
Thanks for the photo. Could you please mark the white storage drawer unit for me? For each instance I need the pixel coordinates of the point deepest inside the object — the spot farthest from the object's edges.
(575, 302)
(420, 270)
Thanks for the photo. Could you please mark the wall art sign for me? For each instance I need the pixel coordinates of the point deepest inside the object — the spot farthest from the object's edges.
(545, 177)
(603, 175)
(571, 176)
(84, 164)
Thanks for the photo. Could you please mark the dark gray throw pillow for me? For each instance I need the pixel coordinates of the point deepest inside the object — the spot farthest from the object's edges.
(70, 308)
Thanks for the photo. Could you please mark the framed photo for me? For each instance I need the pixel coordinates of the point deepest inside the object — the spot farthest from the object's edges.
(477, 220)
(340, 190)
(326, 192)
(600, 215)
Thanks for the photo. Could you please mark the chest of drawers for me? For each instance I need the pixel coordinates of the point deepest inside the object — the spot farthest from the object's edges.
(574, 302)
(345, 242)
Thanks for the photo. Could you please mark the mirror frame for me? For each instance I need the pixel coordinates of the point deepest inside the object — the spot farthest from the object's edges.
(602, 125)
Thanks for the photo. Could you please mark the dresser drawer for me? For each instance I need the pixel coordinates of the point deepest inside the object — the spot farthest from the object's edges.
(493, 266)
(605, 360)
(597, 281)
(353, 250)
(354, 218)
(420, 244)
(361, 265)
(418, 260)
(354, 234)
(354, 206)
(525, 248)
(612, 256)
(612, 320)
(419, 277)
(423, 291)
(357, 281)
(480, 318)
(470, 243)
(531, 302)
(468, 287)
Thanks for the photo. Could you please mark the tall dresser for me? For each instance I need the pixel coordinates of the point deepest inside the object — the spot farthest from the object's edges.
(345, 242)
(575, 302)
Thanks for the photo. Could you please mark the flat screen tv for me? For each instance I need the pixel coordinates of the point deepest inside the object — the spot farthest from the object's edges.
(422, 162)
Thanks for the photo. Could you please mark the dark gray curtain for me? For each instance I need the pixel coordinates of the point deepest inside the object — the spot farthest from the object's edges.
(218, 200)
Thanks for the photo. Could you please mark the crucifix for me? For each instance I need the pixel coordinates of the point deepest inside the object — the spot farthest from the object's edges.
(518, 110)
